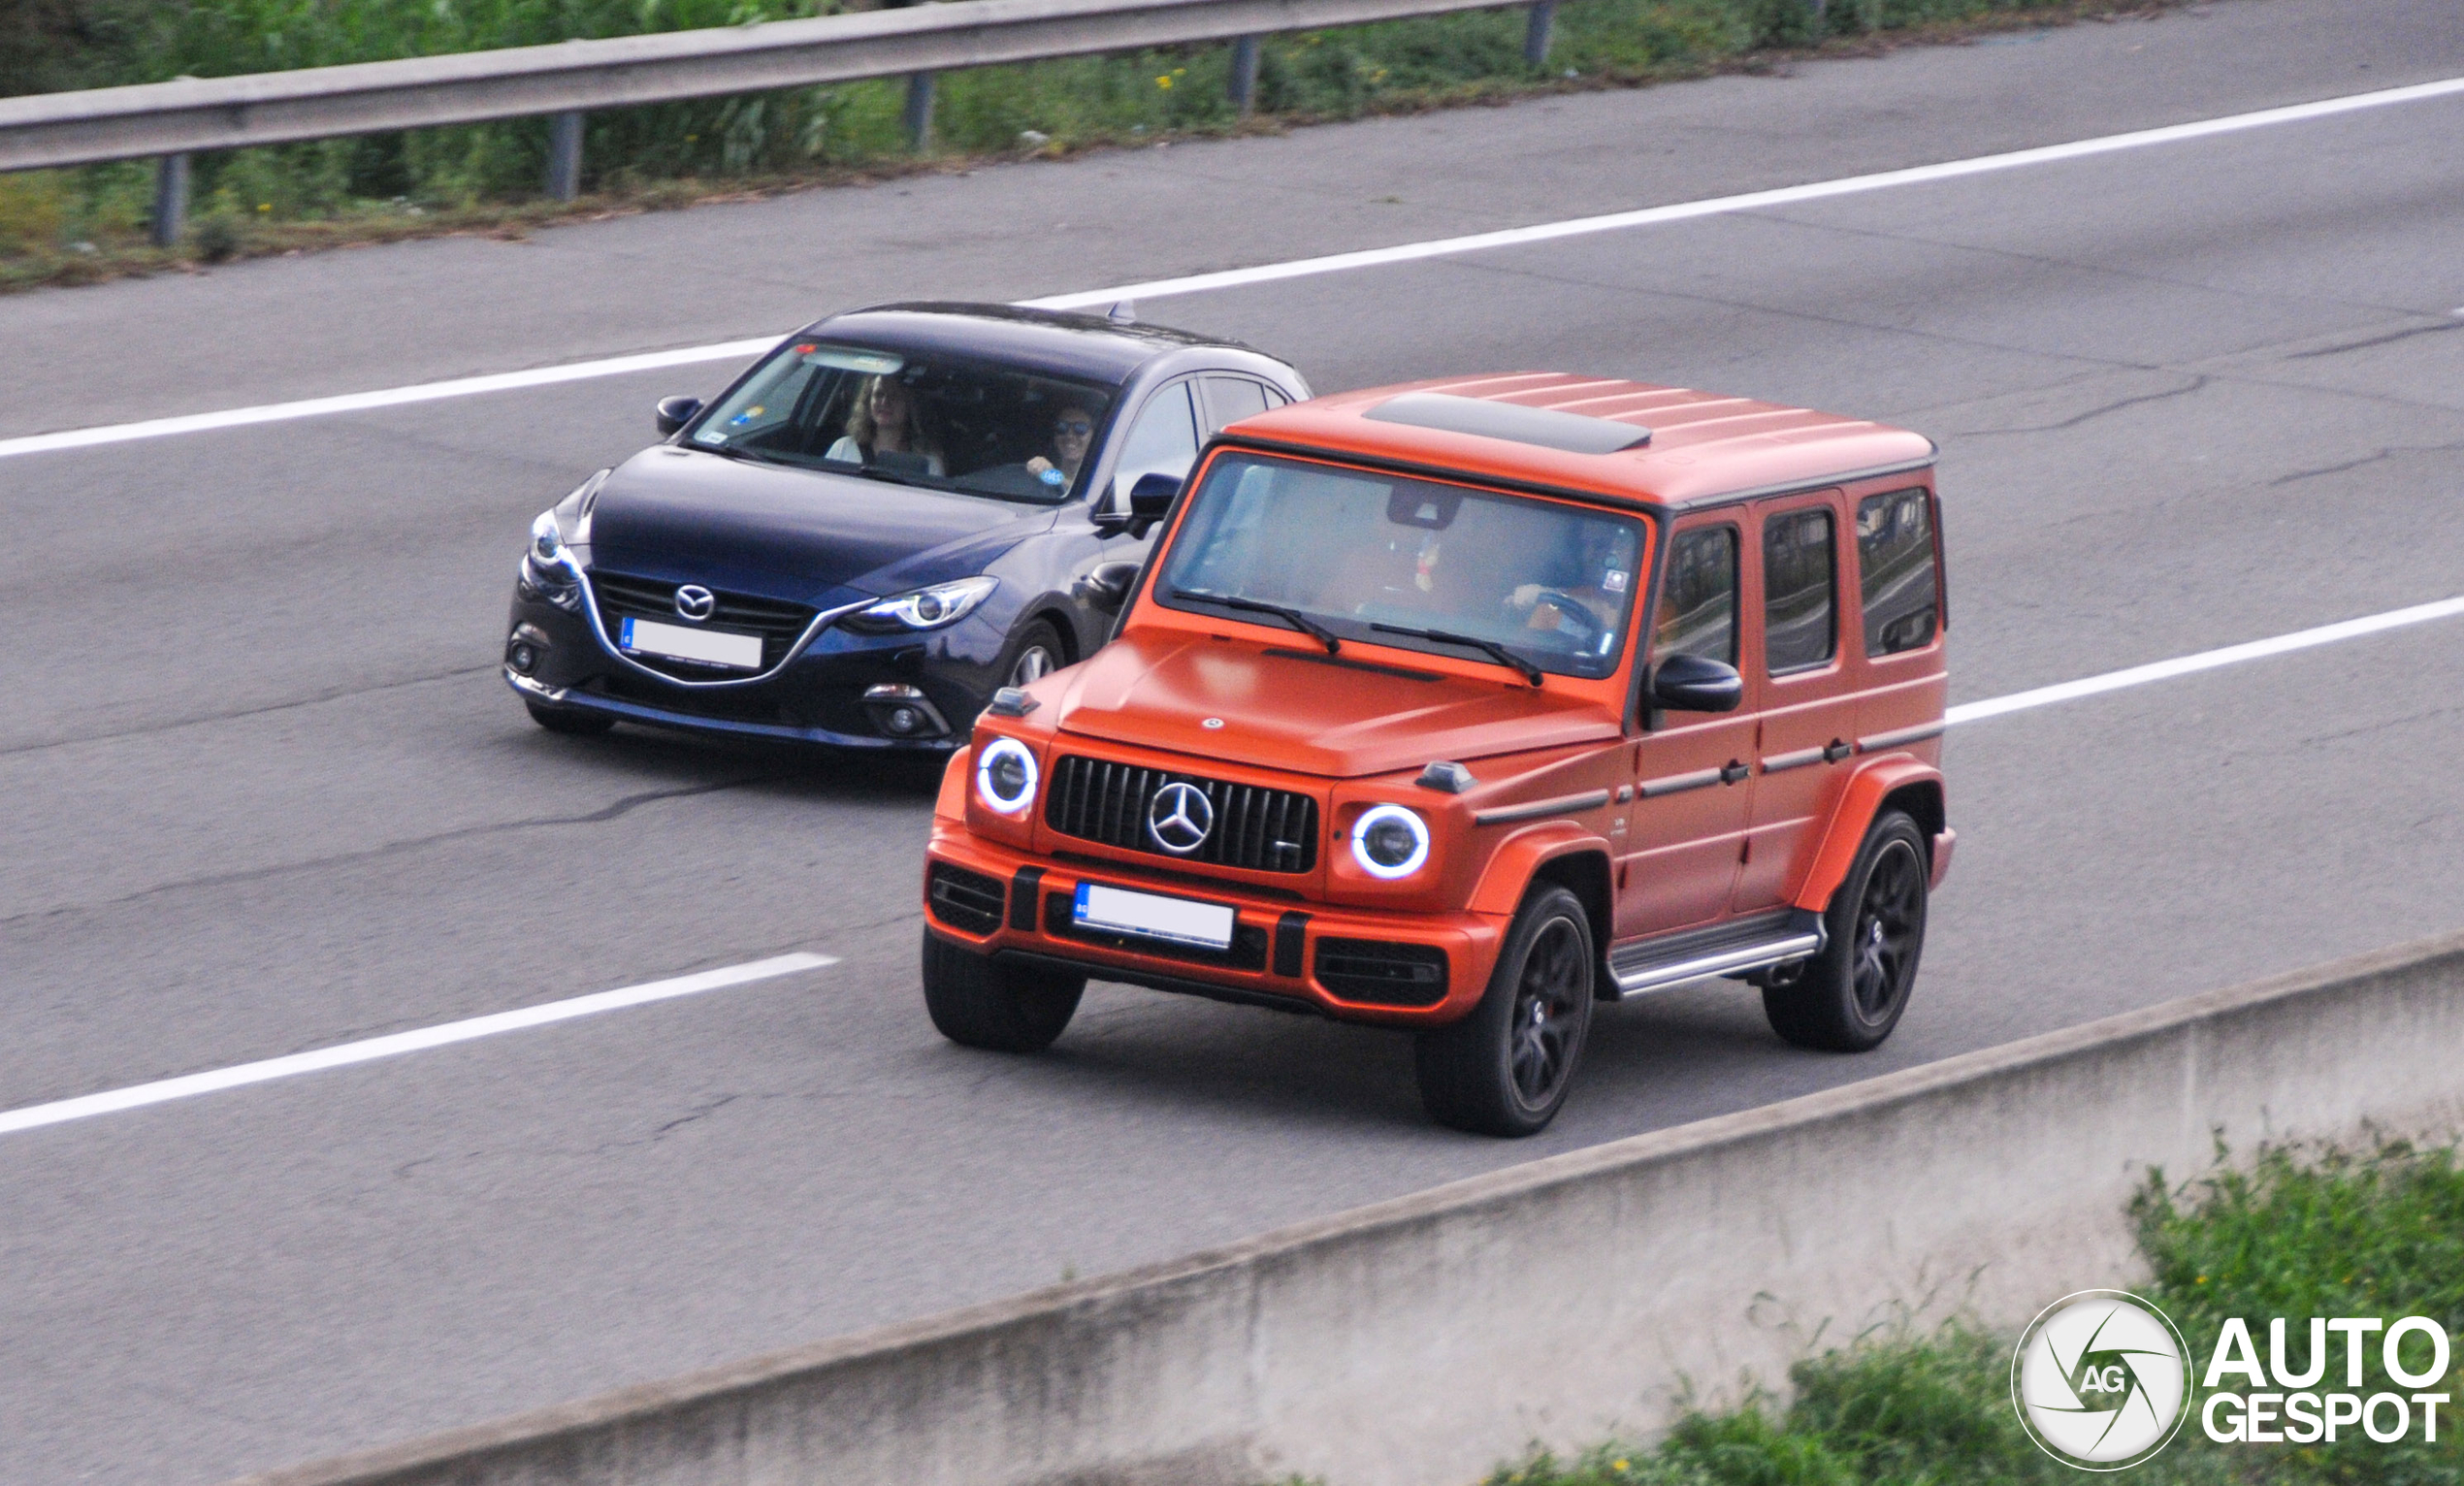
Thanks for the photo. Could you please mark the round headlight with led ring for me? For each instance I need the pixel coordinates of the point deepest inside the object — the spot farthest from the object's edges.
(1005, 776)
(1389, 841)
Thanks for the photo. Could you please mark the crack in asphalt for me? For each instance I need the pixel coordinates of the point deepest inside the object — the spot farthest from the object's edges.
(148, 730)
(2393, 336)
(619, 808)
(2198, 381)
(2387, 452)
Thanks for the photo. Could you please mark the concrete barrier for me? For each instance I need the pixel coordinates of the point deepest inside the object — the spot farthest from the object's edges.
(1419, 1340)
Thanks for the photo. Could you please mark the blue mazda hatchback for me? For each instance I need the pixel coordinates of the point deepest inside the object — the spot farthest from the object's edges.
(894, 514)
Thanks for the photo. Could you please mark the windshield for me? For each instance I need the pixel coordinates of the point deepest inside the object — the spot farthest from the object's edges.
(920, 420)
(1363, 555)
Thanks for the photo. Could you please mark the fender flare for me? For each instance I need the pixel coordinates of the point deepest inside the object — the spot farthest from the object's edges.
(1858, 802)
(950, 801)
(1520, 857)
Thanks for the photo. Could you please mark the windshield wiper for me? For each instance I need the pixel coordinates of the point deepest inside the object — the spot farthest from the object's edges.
(1292, 616)
(1497, 652)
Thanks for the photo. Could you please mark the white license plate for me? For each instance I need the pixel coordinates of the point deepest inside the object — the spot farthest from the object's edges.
(710, 647)
(1119, 911)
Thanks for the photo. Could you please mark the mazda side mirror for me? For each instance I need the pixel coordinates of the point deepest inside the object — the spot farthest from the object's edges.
(1152, 496)
(674, 413)
(1107, 585)
(1684, 683)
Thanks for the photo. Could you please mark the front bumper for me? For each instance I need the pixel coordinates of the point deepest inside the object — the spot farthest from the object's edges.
(816, 698)
(1283, 951)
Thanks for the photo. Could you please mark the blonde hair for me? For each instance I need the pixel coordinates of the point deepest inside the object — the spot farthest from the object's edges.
(859, 419)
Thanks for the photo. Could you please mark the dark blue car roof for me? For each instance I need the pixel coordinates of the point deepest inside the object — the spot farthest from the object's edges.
(1087, 348)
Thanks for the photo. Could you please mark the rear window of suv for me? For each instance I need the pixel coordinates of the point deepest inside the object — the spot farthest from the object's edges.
(1895, 568)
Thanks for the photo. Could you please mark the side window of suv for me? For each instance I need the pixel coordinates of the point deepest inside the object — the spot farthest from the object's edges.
(1800, 592)
(1164, 441)
(1894, 571)
(1697, 597)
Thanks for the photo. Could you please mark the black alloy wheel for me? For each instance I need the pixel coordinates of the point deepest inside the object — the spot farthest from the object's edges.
(1851, 995)
(573, 722)
(1504, 1069)
(977, 1003)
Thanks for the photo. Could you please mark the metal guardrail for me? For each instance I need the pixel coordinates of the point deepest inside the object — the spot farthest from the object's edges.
(167, 121)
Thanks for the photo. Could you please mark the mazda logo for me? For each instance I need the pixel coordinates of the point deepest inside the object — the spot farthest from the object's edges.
(695, 602)
(1179, 818)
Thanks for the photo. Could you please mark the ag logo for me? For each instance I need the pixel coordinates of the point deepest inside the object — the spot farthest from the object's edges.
(2101, 1381)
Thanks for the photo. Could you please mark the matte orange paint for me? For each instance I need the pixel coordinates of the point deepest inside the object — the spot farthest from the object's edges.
(1350, 738)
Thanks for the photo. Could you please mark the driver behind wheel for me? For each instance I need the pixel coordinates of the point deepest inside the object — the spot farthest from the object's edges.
(1591, 602)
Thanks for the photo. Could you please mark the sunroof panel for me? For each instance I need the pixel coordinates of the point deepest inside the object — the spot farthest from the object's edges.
(1544, 427)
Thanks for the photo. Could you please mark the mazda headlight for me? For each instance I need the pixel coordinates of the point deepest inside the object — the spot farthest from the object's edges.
(1005, 776)
(1389, 842)
(927, 608)
(547, 544)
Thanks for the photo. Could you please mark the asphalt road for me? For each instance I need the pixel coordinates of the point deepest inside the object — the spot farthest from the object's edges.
(262, 792)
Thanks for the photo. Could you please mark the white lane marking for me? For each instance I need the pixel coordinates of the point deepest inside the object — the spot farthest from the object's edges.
(2204, 661)
(1198, 284)
(1752, 200)
(368, 1051)
(390, 397)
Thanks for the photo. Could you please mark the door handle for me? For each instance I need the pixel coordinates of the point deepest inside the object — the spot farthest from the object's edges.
(1836, 750)
(1734, 771)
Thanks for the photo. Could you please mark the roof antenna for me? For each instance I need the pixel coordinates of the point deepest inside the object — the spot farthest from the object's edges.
(1122, 312)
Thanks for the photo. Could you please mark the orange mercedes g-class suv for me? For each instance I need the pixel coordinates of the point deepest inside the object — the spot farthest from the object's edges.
(1455, 707)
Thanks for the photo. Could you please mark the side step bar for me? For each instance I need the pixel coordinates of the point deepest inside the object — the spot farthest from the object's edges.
(1639, 969)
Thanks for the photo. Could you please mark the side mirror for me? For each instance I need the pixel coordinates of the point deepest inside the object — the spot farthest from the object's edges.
(1107, 585)
(1684, 683)
(674, 413)
(1152, 496)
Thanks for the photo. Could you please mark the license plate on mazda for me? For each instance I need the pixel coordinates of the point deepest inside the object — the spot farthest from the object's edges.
(1153, 916)
(676, 642)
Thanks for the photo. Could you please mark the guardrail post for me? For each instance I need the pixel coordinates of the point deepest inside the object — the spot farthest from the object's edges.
(919, 114)
(1536, 32)
(1245, 75)
(565, 155)
(171, 199)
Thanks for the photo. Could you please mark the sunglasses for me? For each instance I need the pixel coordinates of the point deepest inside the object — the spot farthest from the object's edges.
(1076, 427)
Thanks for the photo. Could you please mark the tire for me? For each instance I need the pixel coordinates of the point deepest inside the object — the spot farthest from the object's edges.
(1035, 651)
(976, 1003)
(573, 722)
(1504, 1070)
(1851, 995)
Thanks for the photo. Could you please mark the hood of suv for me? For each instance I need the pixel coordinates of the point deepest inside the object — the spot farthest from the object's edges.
(686, 515)
(1294, 708)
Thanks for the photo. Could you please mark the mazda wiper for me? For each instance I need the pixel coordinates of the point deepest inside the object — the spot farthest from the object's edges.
(1292, 616)
(1497, 652)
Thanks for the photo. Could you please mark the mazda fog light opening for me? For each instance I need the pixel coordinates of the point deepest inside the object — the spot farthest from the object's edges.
(1005, 776)
(1389, 842)
(927, 608)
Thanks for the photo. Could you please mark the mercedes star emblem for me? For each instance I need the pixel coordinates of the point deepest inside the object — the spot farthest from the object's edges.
(695, 602)
(1179, 818)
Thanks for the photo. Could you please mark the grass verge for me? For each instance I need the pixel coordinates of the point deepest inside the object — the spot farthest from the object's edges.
(82, 226)
(2333, 1234)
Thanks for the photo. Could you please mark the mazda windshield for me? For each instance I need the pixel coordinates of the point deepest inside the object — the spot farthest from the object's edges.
(938, 422)
(1533, 585)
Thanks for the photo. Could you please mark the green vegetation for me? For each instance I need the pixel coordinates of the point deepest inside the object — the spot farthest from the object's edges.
(73, 225)
(2380, 1234)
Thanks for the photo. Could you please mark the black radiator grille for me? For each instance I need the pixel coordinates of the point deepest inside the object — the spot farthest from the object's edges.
(778, 623)
(1263, 830)
(966, 900)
